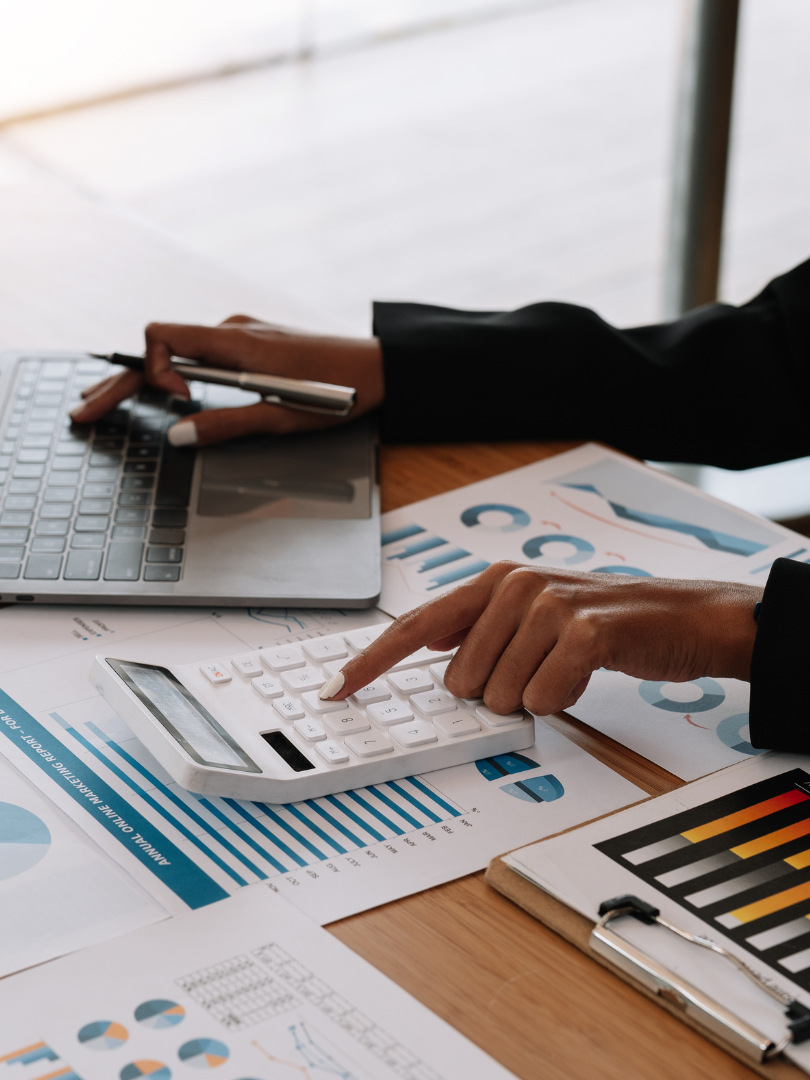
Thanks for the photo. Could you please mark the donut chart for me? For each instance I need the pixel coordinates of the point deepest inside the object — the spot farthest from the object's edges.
(730, 733)
(471, 517)
(533, 549)
(204, 1053)
(159, 1013)
(103, 1035)
(634, 571)
(712, 692)
(24, 840)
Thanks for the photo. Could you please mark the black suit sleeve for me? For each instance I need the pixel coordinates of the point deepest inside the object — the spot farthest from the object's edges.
(779, 717)
(727, 386)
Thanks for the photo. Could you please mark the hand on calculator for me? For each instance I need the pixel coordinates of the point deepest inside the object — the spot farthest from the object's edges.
(244, 344)
(533, 637)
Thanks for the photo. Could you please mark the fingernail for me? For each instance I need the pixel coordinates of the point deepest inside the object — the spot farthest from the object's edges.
(77, 411)
(183, 433)
(332, 687)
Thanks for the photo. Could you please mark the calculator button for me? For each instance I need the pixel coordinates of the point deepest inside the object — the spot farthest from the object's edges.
(320, 651)
(288, 708)
(420, 658)
(410, 682)
(281, 659)
(385, 713)
(248, 666)
(215, 673)
(434, 702)
(361, 639)
(453, 725)
(332, 667)
(369, 745)
(305, 678)
(267, 687)
(376, 691)
(332, 752)
(309, 730)
(314, 703)
(493, 719)
(438, 670)
(418, 733)
(346, 725)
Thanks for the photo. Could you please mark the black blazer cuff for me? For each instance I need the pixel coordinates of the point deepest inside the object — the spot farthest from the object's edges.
(779, 717)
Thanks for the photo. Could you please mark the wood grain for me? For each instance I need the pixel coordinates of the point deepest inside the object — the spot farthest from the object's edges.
(521, 992)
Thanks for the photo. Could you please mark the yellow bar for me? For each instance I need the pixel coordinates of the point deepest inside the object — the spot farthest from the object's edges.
(772, 840)
(799, 861)
(745, 816)
(770, 904)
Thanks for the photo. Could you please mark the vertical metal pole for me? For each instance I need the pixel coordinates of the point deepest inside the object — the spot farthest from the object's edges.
(701, 156)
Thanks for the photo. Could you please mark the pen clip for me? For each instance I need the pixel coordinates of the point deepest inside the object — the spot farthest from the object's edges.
(273, 399)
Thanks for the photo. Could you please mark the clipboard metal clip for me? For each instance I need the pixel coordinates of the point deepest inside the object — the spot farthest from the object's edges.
(704, 1011)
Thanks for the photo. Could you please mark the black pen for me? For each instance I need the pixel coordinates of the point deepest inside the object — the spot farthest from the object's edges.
(300, 394)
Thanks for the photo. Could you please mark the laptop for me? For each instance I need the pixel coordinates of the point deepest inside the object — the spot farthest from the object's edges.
(112, 513)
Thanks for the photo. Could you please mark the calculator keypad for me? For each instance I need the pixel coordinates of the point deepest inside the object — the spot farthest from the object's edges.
(404, 710)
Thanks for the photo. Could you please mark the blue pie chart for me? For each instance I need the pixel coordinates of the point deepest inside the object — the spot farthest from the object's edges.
(103, 1035)
(520, 519)
(159, 1013)
(537, 789)
(24, 840)
(632, 570)
(204, 1053)
(712, 693)
(729, 731)
(533, 549)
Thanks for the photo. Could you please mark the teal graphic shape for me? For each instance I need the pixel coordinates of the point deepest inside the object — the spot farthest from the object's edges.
(713, 695)
(634, 571)
(155, 1070)
(160, 1013)
(103, 1035)
(520, 519)
(496, 768)
(538, 789)
(204, 1053)
(24, 840)
(728, 732)
(533, 549)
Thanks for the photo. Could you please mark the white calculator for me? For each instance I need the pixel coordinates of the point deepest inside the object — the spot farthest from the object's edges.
(252, 726)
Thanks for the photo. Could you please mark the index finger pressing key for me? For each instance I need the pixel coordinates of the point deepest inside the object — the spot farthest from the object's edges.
(433, 621)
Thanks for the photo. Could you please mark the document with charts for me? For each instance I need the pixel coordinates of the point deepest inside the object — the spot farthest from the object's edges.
(331, 856)
(726, 858)
(249, 987)
(595, 510)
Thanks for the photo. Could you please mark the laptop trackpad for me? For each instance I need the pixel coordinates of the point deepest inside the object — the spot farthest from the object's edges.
(324, 474)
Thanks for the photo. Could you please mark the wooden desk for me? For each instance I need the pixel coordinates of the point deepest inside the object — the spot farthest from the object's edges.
(530, 999)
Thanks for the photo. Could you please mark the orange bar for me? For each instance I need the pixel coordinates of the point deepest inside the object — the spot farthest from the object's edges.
(19, 1053)
(799, 861)
(59, 1072)
(743, 817)
(773, 839)
(772, 903)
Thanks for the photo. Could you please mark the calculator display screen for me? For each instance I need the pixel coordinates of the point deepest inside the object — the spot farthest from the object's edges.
(179, 712)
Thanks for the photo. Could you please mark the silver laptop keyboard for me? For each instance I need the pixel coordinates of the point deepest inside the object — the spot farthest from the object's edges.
(82, 503)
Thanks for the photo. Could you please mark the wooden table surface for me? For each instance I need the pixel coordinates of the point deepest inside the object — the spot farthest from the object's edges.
(526, 996)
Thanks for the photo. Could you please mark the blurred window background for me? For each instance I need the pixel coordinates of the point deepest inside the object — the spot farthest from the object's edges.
(472, 153)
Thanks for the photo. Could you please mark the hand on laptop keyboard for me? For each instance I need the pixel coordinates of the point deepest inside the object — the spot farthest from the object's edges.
(244, 344)
(532, 637)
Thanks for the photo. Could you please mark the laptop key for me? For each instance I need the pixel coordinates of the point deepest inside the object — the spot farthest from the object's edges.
(123, 561)
(59, 494)
(64, 479)
(91, 523)
(87, 540)
(142, 452)
(16, 517)
(175, 519)
(83, 566)
(95, 506)
(156, 572)
(164, 554)
(9, 571)
(174, 479)
(140, 467)
(126, 515)
(43, 567)
(56, 510)
(20, 502)
(13, 536)
(167, 536)
(100, 475)
(52, 528)
(36, 457)
(48, 543)
(129, 532)
(135, 498)
(137, 483)
(105, 459)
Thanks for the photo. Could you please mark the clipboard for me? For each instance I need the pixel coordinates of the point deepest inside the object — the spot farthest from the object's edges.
(579, 930)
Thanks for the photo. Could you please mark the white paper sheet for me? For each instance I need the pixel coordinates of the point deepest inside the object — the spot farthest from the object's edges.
(725, 857)
(58, 891)
(333, 856)
(588, 509)
(249, 987)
